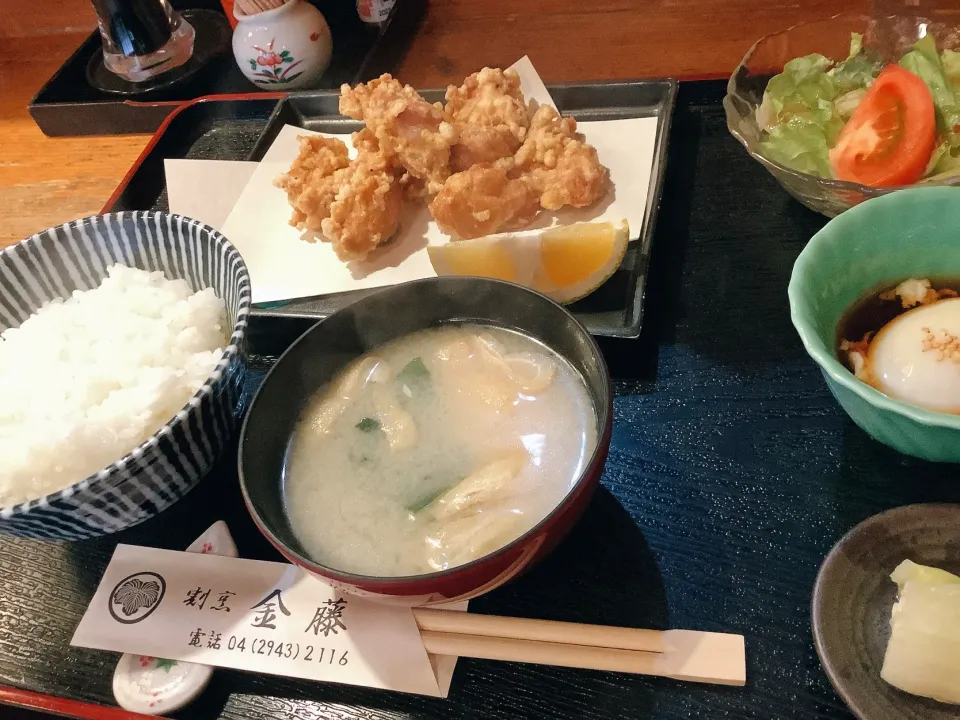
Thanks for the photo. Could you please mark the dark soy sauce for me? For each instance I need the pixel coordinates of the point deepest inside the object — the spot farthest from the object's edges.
(137, 27)
(870, 313)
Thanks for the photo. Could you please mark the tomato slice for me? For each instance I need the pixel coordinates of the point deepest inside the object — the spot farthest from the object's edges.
(891, 135)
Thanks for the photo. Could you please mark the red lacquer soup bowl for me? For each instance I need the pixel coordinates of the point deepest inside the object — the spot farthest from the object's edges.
(314, 359)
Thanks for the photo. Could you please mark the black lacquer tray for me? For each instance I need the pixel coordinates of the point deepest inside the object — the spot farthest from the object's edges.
(70, 104)
(732, 472)
(614, 310)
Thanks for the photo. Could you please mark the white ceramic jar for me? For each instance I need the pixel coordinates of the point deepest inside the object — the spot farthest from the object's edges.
(285, 48)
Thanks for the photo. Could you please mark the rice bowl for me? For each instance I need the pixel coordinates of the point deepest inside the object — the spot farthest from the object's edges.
(85, 380)
(141, 478)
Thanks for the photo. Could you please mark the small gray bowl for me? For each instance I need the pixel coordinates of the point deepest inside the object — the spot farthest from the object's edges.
(853, 597)
(75, 256)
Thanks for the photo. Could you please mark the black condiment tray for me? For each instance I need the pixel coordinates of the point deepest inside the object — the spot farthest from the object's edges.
(69, 105)
(614, 310)
(732, 472)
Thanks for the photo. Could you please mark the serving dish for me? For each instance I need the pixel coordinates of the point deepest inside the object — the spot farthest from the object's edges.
(890, 36)
(161, 470)
(853, 597)
(909, 234)
(616, 308)
(392, 313)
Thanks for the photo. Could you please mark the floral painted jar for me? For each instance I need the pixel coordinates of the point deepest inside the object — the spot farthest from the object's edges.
(284, 48)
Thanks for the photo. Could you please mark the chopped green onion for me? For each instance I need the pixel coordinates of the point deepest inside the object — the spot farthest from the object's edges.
(413, 371)
(367, 425)
(422, 502)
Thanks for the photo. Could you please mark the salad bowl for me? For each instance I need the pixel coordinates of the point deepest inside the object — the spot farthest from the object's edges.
(891, 38)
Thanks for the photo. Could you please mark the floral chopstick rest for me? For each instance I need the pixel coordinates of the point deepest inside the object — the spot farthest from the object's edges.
(152, 686)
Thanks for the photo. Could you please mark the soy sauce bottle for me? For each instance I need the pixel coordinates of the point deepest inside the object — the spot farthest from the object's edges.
(142, 38)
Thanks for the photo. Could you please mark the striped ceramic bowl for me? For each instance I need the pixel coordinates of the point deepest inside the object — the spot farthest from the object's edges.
(166, 466)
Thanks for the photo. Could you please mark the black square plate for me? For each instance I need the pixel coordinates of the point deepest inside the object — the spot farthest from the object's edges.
(616, 308)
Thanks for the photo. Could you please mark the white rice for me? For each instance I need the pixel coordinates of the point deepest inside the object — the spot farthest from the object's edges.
(86, 380)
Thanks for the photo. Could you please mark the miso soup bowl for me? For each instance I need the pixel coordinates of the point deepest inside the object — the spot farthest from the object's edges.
(322, 351)
(909, 233)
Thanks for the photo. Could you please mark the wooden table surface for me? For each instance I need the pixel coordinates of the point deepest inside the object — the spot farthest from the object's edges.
(46, 181)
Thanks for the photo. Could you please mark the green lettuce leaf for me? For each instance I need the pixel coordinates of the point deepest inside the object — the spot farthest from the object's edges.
(805, 69)
(951, 66)
(799, 108)
(924, 61)
(801, 83)
(859, 70)
(799, 145)
(847, 104)
(856, 73)
(945, 162)
(796, 110)
(856, 44)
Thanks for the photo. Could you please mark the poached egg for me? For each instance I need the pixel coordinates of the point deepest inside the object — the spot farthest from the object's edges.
(916, 357)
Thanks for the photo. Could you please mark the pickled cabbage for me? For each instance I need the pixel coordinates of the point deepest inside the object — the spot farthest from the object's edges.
(923, 655)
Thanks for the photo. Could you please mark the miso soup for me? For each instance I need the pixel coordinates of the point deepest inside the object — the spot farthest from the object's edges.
(436, 449)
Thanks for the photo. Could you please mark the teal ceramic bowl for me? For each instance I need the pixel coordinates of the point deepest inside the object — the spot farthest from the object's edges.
(909, 233)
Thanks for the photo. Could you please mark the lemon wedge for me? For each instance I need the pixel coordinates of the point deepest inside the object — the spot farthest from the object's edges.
(565, 263)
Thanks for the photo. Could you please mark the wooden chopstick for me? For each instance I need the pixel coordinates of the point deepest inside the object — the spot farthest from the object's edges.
(452, 621)
(704, 657)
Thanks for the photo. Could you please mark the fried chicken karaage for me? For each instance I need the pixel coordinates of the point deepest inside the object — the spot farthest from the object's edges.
(489, 115)
(483, 200)
(559, 163)
(313, 180)
(543, 162)
(366, 209)
(486, 162)
(365, 141)
(355, 204)
(411, 132)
